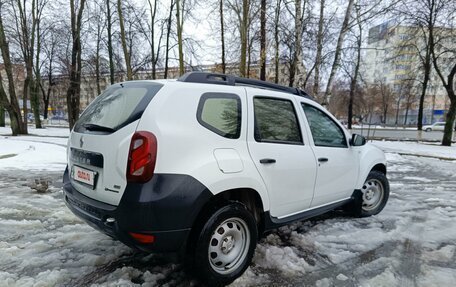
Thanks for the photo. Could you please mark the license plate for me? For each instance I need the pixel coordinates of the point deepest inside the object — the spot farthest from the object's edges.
(83, 175)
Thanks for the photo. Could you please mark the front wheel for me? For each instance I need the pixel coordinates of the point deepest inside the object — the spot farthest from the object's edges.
(225, 245)
(375, 193)
(428, 130)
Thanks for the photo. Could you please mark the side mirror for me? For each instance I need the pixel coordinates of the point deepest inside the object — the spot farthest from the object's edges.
(357, 140)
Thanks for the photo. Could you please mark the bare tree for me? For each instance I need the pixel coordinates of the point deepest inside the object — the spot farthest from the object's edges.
(26, 32)
(277, 13)
(263, 40)
(222, 35)
(9, 100)
(74, 89)
(50, 45)
(354, 77)
(335, 65)
(168, 34)
(296, 64)
(318, 57)
(443, 53)
(109, 36)
(154, 56)
(123, 40)
(180, 6)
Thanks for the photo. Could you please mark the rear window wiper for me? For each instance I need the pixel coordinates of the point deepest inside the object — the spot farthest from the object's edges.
(95, 127)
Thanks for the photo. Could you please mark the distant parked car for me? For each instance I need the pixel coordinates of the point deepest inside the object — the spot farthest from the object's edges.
(437, 126)
(31, 117)
(58, 117)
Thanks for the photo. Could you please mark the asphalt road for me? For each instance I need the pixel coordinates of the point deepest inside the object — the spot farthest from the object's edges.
(399, 134)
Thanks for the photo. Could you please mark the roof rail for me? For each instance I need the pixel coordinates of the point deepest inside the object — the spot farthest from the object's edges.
(229, 80)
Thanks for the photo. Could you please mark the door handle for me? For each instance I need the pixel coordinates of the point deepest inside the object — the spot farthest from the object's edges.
(267, 160)
(323, 159)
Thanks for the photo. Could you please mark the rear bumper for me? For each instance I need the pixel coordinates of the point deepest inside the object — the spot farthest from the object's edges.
(167, 214)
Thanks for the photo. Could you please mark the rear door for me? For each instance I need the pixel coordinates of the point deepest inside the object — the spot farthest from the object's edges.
(280, 151)
(337, 161)
(100, 141)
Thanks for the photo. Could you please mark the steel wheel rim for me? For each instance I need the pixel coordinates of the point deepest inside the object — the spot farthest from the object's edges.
(229, 245)
(373, 193)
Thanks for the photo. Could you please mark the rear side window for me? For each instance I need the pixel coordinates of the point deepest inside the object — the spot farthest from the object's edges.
(118, 106)
(276, 121)
(221, 114)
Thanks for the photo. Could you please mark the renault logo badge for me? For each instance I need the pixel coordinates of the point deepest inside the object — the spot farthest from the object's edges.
(81, 142)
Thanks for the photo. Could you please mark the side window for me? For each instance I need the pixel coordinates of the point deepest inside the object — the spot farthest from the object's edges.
(276, 121)
(325, 131)
(221, 114)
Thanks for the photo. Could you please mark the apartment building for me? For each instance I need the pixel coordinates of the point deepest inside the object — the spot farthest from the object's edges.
(392, 57)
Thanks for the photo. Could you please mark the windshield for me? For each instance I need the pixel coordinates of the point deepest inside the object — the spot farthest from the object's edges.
(116, 107)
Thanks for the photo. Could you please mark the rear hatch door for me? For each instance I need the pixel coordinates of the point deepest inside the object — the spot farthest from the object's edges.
(99, 143)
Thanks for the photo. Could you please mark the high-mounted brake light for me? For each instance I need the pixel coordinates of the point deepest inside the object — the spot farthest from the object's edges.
(142, 157)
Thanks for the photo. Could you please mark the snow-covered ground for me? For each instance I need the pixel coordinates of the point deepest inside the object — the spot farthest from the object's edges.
(420, 149)
(48, 131)
(411, 243)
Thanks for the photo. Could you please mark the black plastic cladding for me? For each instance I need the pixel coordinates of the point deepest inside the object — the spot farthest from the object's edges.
(166, 206)
(229, 80)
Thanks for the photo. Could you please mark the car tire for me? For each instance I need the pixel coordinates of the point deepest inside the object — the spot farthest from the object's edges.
(224, 246)
(374, 194)
(428, 130)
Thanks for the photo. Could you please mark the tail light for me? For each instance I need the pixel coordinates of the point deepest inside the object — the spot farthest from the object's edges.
(143, 238)
(142, 157)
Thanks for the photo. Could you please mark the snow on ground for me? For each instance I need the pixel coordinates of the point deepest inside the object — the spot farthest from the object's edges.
(420, 149)
(48, 131)
(26, 154)
(412, 242)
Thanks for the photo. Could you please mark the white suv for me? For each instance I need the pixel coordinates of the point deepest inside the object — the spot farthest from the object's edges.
(206, 164)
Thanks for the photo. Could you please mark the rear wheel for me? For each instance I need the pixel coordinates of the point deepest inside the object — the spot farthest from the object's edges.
(225, 245)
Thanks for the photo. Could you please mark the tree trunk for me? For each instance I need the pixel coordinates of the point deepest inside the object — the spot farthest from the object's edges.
(316, 85)
(180, 24)
(35, 98)
(276, 41)
(426, 72)
(385, 114)
(11, 104)
(222, 36)
(263, 41)
(74, 89)
(153, 13)
(244, 31)
(167, 38)
(46, 99)
(47, 94)
(450, 118)
(353, 86)
(110, 53)
(297, 54)
(340, 41)
(354, 81)
(406, 114)
(123, 40)
(2, 115)
(97, 58)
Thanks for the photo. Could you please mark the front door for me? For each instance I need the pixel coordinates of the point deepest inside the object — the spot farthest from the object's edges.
(280, 151)
(337, 161)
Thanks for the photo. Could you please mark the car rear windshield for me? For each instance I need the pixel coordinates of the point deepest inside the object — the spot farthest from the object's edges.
(118, 106)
